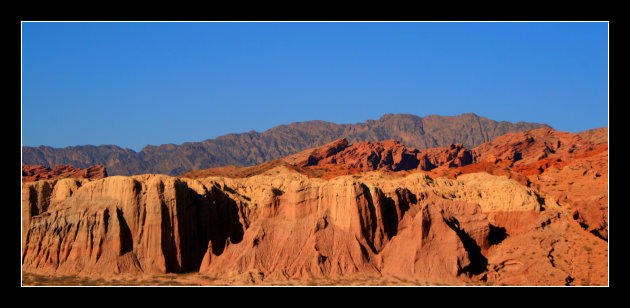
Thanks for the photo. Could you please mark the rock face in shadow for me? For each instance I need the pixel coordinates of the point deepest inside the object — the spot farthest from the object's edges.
(254, 148)
(35, 173)
(152, 224)
(443, 239)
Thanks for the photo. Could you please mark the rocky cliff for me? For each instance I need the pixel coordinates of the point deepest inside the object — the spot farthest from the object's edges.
(573, 168)
(281, 224)
(253, 148)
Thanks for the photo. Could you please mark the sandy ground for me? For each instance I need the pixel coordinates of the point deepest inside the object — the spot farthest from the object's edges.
(196, 279)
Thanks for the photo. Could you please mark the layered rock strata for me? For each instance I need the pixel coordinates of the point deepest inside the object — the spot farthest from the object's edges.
(573, 168)
(35, 173)
(381, 155)
(282, 224)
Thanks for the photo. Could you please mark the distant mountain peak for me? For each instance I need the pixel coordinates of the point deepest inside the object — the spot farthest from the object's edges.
(252, 148)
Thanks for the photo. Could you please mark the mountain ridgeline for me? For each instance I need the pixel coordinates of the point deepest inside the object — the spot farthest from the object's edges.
(253, 148)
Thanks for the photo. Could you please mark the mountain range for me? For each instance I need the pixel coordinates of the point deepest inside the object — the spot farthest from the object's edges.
(252, 148)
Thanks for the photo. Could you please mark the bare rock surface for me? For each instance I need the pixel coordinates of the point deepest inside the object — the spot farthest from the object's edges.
(253, 148)
(572, 168)
(281, 224)
(524, 209)
(39, 172)
(381, 155)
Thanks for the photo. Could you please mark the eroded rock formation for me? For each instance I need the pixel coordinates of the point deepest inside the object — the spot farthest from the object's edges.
(279, 224)
(573, 168)
(381, 155)
(525, 209)
(39, 172)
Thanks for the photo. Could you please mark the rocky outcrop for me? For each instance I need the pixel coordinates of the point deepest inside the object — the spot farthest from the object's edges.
(312, 157)
(281, 224)
(456, 155)
(253, 148)
(152, 224)
(381, 155)
(368, 156)
(365, 156)
(597, 136)
(36, 173)
(573, 168)
(532, 146)
(442, 240)
(570, 167)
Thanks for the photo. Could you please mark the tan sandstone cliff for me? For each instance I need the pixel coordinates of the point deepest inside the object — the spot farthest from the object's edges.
(282, 224)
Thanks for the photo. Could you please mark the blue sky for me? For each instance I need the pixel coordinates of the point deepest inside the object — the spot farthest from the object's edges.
(133, 84)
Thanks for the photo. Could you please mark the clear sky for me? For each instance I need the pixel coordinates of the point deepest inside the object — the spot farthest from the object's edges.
(133, 84)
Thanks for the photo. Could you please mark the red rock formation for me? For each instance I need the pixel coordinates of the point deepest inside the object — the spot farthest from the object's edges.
(382, 155)
(573, 168)
(367, 156)
(313, 156)
(36, 173)
(541, 158)
(456, 155)
(532, 146)
(528, 209)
